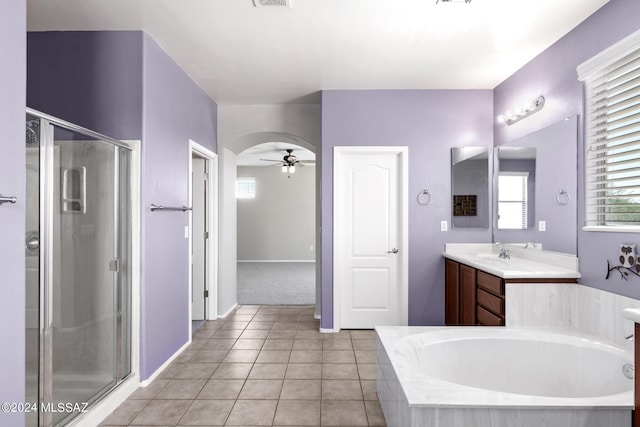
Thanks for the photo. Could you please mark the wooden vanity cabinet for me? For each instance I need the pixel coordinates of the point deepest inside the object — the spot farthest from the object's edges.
(474, 297)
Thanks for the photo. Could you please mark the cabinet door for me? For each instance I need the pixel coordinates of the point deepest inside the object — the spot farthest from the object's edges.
(467, 295)
(451, 293)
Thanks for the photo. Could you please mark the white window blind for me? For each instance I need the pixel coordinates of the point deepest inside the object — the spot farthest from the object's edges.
(513, 200)
(612, 152)
(245, 188)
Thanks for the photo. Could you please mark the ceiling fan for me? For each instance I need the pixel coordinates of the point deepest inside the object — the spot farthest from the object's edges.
(289, 161)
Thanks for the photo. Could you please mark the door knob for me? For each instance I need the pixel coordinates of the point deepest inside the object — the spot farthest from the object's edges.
(393, 251)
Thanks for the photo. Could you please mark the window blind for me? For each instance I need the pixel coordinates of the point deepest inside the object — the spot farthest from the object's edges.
(612, 152)
(245, 188)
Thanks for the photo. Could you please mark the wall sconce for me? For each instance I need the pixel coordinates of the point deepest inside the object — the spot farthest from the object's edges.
(511, 117)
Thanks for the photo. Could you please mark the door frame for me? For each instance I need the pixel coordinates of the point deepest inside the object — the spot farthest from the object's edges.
(211, 260)
(339, 225)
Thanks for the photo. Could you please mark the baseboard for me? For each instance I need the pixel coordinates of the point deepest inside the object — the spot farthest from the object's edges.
(329, 331)
(104, 407)
(222, 316)
(317, 316)
(164, 365)
(277, 260)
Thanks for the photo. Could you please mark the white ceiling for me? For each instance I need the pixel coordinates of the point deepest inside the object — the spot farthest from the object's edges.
(240, 54)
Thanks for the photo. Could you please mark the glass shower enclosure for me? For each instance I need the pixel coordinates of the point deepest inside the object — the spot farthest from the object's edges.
(78, 268)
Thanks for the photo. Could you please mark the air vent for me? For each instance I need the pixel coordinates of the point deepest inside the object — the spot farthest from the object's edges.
(260, 3)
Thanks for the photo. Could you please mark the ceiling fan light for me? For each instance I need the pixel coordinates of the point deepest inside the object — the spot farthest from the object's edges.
(292, 169)
(284, 168)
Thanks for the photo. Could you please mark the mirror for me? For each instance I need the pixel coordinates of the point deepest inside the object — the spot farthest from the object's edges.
(470, 187)
(516, 191)
(551, 214)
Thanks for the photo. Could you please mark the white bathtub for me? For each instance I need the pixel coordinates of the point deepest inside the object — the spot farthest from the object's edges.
(480, 376)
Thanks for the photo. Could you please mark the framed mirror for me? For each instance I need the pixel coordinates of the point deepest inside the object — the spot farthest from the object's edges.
(516, 189)
(470, 187)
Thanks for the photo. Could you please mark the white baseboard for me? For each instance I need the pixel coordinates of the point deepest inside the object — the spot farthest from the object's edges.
(164, 365)
(329, 331)
(277, 260)
(222, 316)
(110, 403)
(317, 316)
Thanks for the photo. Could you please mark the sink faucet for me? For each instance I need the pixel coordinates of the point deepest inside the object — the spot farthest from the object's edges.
(533, 245)
(504, 254)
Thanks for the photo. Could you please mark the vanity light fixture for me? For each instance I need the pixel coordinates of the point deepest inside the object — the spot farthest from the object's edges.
(519, 113)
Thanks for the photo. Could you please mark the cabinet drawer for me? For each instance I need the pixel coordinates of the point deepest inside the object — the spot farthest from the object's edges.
(490, 283)
(491, 302)
(487, 318)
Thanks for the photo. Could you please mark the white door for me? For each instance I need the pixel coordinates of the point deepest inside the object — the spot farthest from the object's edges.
(199, 239)
(370, 237)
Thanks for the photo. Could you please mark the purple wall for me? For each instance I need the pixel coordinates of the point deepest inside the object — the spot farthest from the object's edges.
(553, 74)
(175, 110)
(13, 18)
(429, 122)
(124, 85)
(92, 79)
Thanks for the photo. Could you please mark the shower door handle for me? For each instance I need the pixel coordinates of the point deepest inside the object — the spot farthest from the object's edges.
(33, 243)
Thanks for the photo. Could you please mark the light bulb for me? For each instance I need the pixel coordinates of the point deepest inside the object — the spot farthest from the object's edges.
(501, 118)
(292, 169)
(284, 168)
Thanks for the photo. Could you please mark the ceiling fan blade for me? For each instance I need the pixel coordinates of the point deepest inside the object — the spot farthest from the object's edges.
(306, 161)
(271, 160)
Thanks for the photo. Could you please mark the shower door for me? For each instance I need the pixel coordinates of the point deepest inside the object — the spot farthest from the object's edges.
(80, 283)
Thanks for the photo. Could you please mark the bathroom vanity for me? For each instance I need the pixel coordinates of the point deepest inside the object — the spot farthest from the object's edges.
(476, 274)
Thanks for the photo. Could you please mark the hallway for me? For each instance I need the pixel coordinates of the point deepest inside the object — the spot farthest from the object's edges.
(267, 366)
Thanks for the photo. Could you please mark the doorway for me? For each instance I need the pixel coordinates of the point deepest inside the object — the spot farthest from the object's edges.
(203, 288)
(370, 237)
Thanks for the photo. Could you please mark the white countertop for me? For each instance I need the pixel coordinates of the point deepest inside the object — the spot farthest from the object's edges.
(523, 264)
(632, 314)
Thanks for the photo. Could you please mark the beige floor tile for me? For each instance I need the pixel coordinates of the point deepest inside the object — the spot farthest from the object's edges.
(268, 371)
(219, 343)
(343, 413)
(232, 371)
(125, 413)
(150, 391)
(171, 370)
(363, 335)
(186, 355)
(341, 390)
(286, 322)
(273, 356)
(181, 389)
(307, 344)
(342, 335)
(306, 356)
(364, 345)
(239, 317)
(308, 323)
(309, 335)
(221, 389)
(367, 371)
(241, 356)
(208, 356)
(369, 389)
(366, 356)
(334, 345)
(301, 390)
(252, 413)
(260, 325)
(196, 371)
(255, 333)
(274, 344)
(234, 325)
(282, 334)
(261, 389)
(248, 344)
(228, 333)
(207, 413)
(298, 413)
(340, 371)
(375, 415)
(304, 371)
(162, 412)
(340, 356)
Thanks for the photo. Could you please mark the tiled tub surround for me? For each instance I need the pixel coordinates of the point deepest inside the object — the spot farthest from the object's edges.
(524, 263)
(582, 319)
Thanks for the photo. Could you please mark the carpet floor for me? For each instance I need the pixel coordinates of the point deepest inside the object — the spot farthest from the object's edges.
(276, 283)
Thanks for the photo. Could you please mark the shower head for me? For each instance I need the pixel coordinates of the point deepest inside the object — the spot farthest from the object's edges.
(32, 132)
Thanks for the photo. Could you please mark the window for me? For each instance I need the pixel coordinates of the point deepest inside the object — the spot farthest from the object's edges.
(512, 200)
(612, 135)
(245, 188)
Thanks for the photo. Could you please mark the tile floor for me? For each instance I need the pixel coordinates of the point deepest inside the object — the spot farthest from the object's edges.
(263, 366)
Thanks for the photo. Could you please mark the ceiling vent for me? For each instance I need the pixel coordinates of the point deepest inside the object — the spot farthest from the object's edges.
(260, 3)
